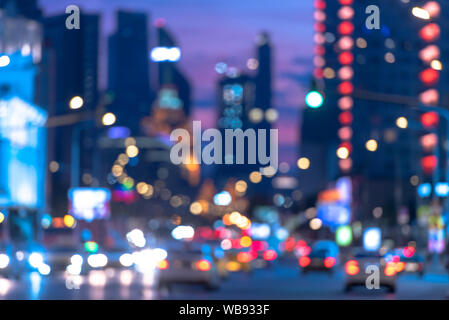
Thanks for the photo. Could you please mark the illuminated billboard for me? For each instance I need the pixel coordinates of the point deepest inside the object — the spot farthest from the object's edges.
(89, 203)
(334, 205)
(23, 150)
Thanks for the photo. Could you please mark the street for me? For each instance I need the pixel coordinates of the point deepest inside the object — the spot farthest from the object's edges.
(283, 282)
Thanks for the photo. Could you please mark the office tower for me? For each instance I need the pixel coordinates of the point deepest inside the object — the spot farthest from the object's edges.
(128, 71)
(71, 59)
(169, 73)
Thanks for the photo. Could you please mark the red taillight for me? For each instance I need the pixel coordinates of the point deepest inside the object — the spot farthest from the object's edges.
(163, 265)
(352, 267)
(304, 261)
(329, 262)
(203, 265)
(269, 255)
(390, 269)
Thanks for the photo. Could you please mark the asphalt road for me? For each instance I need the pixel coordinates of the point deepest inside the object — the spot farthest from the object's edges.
(282, 282)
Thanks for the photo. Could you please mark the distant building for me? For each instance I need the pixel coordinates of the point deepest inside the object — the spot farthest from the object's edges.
(128, 71)
(70, 69)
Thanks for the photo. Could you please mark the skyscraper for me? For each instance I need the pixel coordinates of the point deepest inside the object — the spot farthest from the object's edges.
(128, 71)
(71, 64)
(169, 73)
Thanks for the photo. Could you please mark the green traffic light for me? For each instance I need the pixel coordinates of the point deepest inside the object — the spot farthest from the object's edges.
(91, 246)
(314, 99)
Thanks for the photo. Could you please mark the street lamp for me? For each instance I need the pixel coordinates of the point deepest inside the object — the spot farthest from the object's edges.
(76, 103)
(108, 119)
(402, 122)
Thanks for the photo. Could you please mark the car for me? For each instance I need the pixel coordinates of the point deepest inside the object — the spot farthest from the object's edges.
(408, 260)
(357, 272)
(119, 258)
(317, 260)
(186, 263)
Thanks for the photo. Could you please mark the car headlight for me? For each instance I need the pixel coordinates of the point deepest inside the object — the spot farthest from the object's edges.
(4, 261)
(97, 260)
(74, 269)
(44, 269)
(126, 260)
(36, 259)
(77, 260)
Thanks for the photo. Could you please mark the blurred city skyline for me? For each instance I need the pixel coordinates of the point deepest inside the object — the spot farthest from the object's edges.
(202, 28)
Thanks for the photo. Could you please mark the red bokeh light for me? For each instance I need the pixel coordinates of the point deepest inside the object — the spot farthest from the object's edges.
(319, 50)
(345, 164)
(429, 77)
(319, 27)
(304, 261)
(433, 8)
(429, 53)
(329, 262)
(345, 118)
(345, 28)
(430, 119)
(345, 58)
(320, 4)
(269, 255)
(345, 133)
(430, 97)
(429, 164)
(429, 141)
(345, 88)
(430, 32)
(346, 2)
(318, 73)
(345, 103)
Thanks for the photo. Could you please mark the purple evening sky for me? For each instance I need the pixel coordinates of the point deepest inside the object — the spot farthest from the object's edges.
(210, 31)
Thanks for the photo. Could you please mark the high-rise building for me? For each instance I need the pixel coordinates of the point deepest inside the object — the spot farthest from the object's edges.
(169, 73)
(128, 71)
(25, 8)
(370, 78)
(71, 67)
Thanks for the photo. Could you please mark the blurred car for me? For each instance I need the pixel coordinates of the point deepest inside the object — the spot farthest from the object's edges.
(357, 273)
(219, 256)
(119, 258)
(407, 260)
(186, 263)
(317, 260)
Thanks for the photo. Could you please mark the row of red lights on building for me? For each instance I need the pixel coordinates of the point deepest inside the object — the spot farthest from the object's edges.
(430, 77)
(345, 43)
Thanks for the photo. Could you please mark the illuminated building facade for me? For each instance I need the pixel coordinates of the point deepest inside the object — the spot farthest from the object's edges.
(22, 131)
(370, 78)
